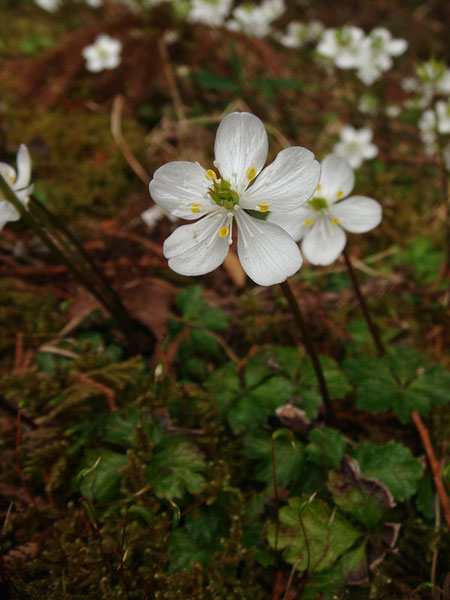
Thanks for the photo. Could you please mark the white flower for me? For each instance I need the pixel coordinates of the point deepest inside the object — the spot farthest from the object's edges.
(185, 189)
(154, 214)
(393, 111)
(211, 12)
(18, 182)
(443, 116)
(427, 126)
(356, 145)
(342, 45)
(94, 3)
(256, 19)
(48, 5)
(104, 53)
(298, 34)
(321, 222)
(376, 54)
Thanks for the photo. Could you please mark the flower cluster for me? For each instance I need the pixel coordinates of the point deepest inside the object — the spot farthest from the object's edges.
(256, 19)
(371, 55)
(432, 79)
(215, 199)
(20, 184)
(288, 190)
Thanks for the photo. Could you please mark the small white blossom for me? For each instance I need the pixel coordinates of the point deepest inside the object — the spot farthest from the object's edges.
(298, 34)
(356, 145)
(377, 50)
(210, 12)
(393, 111)
(432, 79)
(256, 19)
(94, 3)
(443, 116)
(152, 215)
(321, 222)
(342, 46)
(48, 5)
(185, 189)
(427, 127)
(18, 182)
(104, 53)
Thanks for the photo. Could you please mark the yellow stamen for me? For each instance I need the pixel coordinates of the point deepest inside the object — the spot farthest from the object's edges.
(308, 222)
(210, 174)
(224, 231)
(263, 207)
(319, 187)
(251, 173)
(334, 221)
(195, 207)
(340, 194)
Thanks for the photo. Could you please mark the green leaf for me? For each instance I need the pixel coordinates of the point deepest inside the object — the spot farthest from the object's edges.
(204, 342)
(177, 467)
(101, 483)
(329, 535)
(326, 447)
(423, 257)
(214, 81)
(289, 461)
(191, 302)
(224, 384)
(120, 428)
(425, 500)
(200, 537)
(393, 464)
(213, 318)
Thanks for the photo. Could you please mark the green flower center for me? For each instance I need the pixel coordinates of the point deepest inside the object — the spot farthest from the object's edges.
(222, 194)
(318, 204)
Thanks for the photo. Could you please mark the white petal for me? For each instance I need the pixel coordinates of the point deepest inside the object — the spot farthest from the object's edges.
(347, 133)
(197, 248)
(8, 174)
(357, 214)
(323, 244)
(285, 184)
(267, 253)
(7, 213)
(23, 167)
(241, 145)
(177, 185)
(336, 178)
(370, 151)
(294, 221)
(397, 47)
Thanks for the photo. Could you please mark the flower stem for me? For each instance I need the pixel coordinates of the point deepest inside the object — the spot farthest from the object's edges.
(81, 274)
(307, 341)
(365, 309)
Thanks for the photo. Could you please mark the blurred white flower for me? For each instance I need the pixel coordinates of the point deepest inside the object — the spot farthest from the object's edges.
(393, 111)
(321, 222)
(256, 19)
(18, 182)
(376, 54)
(94, 3)
(185, 189)
(48, 5)
(432, 79)
(152, 215)
(104, 53)
(298, 34)
(210, 12)
(427, 127)
(443, 116)
(342, 46)
(356, 145)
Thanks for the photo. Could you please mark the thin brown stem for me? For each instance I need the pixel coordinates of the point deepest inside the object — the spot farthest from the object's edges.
(434, 464)
(308, 343)
(365, 309)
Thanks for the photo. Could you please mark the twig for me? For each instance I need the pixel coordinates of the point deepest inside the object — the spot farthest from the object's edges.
(116, 130)
(434, 464)
(171, 83)
(307, 341)
(362, 301)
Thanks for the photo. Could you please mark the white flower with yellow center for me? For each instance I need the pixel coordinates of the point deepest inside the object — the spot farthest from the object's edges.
(104, 53)
(343, 46)
(321, 222)
(18, 182)
(186, 190)
(355, 145)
